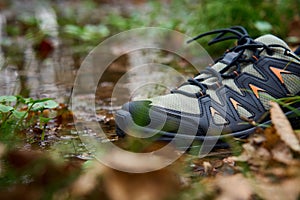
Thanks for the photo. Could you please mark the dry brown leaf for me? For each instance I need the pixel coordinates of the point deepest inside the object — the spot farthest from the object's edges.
(297, 132)
(271, 138)
(88, 180)
(287, 190)
(234, 187)
(280, 172)
(207, 167)
(261, 158)
(283, 127)
(247, 154)
(258, 139)
(282, 154)
(256, 156)
(140, 162)
(156, 185)
(229, 160)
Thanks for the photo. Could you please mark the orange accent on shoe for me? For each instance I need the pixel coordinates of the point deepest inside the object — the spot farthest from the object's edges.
(213, 111)
(278, 72)
(234, 103)
(255, 57)
(255, 90)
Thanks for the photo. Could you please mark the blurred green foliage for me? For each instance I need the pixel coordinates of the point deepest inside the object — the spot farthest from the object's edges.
(194, 17)
(86, 23)
(188, 16)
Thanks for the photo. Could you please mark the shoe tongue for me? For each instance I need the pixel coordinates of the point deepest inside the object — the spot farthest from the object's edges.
(193, 89)
(270, 40)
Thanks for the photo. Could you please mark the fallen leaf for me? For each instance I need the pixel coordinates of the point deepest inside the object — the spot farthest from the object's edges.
(283, 127)
(288, 189)
(22, 159)
(272, 138)
(229, 160)
(280, 172)
(282, 154)
(219, 163)
(87, 181)
(156, 185)
(234, 187)
(261, 158)
(297, 132)
(258, 139)
(256, 156)
(207, 167)
(248, 152)
(136, 180)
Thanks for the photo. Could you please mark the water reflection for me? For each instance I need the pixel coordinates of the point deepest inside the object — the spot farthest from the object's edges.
(48, 72)
(9, 82)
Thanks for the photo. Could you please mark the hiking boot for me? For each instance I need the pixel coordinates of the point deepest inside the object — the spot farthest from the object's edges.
(224, 99)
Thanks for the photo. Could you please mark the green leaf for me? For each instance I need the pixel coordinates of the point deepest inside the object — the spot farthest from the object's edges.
(41, 100)
(36, 106)
(19, 114)
(103, 30)
(44, 119)
(73, 30)
(5, 109)
(20, 98)
(28, 100)
(43, 104)
(8, 98)
(50, 104)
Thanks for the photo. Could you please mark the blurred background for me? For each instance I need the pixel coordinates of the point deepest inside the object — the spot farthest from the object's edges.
(44, 42)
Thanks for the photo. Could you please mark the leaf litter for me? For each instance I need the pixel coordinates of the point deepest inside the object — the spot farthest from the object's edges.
(283, 128)
(266, 168)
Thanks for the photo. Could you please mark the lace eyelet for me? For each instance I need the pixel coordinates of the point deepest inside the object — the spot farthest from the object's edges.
(199, 94)
(270, 52)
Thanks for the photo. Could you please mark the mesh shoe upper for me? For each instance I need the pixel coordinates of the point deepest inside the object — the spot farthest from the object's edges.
(237, 88)
(184, 103)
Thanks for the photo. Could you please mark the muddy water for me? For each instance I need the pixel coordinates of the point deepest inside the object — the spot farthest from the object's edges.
(48, 69)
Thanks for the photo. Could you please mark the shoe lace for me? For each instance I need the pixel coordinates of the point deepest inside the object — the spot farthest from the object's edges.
(232, 58)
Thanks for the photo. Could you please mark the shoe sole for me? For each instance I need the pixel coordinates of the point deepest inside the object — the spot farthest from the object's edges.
(124, 119)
